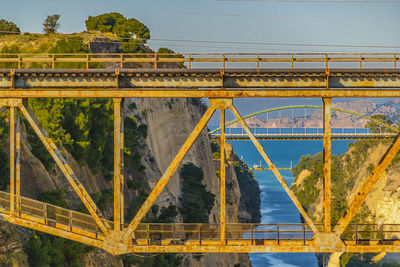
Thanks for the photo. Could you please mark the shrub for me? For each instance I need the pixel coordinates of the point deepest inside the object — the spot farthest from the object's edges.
(196, 201)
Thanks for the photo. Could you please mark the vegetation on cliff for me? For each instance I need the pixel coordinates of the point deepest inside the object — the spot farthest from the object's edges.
(83, 129)
(344, 175)
(196, 201)
(348, 171)
(8, 27)
(131, 32)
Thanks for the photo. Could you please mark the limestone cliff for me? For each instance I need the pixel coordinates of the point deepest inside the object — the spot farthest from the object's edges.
(349, 171)
(170, 121)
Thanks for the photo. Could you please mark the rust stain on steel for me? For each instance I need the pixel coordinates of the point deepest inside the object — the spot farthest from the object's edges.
(289, 58)
(118, 164)
(222, 178)
(203, 80)
(63, 165)
(18, 159)
(364, 82)
(168, 173)
(54, 231)
(12, 161)
(274, 170)
(327, 164)
(176, 81)
(274, 82)
(368, 185)
(200, 93)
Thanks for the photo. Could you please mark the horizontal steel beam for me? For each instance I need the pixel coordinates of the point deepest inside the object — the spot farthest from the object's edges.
(306, 136)
(284, 246)
(198, 93)
(200, 78)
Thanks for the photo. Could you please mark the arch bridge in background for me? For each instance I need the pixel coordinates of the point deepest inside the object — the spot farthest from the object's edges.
(306, 136)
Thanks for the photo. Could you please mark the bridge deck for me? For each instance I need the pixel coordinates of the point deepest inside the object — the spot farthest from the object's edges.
(294, 136)
(191, 237)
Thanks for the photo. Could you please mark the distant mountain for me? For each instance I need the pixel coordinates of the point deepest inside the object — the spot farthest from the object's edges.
(390, 109)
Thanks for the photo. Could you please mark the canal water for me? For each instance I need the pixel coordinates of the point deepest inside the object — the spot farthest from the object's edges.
(276, 206)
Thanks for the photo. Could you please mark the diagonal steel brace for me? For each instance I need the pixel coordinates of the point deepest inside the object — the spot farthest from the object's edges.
(368, 185)
(64, 166)
(169, 172)
(274, 169)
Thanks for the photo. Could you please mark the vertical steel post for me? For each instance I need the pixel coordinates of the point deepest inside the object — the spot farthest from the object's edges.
(162, 182)
(122, 181)
(222, 174)
(53, 61)
(327, 164)
(118, 150)
(12, 161)
(275, 170)
(17, 161)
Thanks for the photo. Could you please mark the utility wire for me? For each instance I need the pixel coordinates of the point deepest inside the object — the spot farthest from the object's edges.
(258, 49)
(275, 44)
(249, 43)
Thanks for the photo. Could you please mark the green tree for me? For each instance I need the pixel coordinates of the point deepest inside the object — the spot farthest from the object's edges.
(37, 253)
(165, 50)
(51, 24)
(55, 197)
(132, 28)
(196, 201)
(104, 22)
(132, 46)
(8, 27)
(132, 32)
(376, 127)
(46, 250)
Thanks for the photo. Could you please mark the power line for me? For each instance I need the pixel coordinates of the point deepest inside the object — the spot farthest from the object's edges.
(242, 48)
(275, 44)
(391, 19)
(249, 43)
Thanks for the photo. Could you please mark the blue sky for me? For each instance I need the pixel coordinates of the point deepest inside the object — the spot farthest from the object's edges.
(249, 21)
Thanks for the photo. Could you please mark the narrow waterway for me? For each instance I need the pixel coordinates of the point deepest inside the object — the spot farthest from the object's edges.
(276, 206)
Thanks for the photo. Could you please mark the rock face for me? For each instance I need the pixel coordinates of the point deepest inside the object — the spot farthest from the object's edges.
(382, 205)
(170, 123)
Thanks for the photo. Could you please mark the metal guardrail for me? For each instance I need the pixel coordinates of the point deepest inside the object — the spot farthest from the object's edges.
(154, 233)
(181, 233)
(50, 214)
(88, 61)
(256, 234)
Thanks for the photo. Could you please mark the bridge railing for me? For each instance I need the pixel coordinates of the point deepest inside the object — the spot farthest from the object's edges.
(180, 233)
(194, 60)
(51, 215)
(198, 233)
(372, 232)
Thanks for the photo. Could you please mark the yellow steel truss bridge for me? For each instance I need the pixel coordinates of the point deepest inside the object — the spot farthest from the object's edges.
(220, 78)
